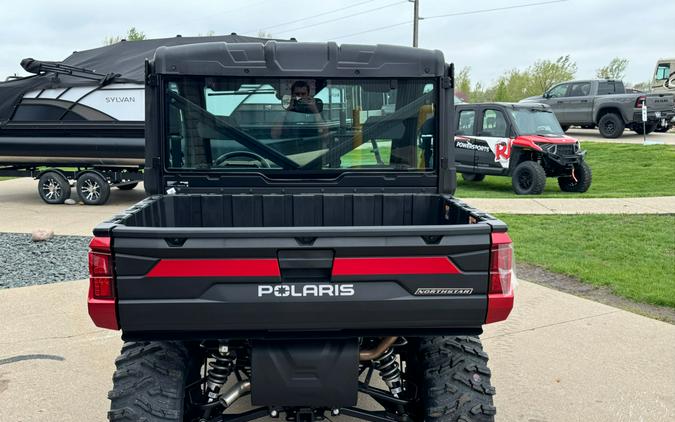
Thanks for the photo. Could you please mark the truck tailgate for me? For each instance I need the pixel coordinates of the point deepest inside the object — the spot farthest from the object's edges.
(236, 280)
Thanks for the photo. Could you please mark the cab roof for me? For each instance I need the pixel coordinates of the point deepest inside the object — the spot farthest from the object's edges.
(293, 59)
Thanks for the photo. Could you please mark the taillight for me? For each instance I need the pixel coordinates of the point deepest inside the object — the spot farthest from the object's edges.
(500, 294)
(501, 263)
(640, 101)
(101, 301)
(100, 268)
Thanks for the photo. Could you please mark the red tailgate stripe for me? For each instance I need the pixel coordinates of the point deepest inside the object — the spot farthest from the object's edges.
(215, 268)
(393, 266)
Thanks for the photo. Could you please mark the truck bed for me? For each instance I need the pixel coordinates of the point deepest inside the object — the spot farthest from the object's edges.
(263, 264)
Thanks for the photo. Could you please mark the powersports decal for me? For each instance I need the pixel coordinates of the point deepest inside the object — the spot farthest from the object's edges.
(443, 291)
(306, 290)
(468, 145)
(499, 148)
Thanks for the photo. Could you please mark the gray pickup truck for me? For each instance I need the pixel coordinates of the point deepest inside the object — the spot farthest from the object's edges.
(604, 103)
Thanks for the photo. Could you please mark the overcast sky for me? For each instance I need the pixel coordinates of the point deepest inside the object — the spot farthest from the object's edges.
(592, 32)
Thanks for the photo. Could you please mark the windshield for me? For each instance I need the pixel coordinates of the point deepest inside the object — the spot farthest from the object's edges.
(536, 122)
(226, 124)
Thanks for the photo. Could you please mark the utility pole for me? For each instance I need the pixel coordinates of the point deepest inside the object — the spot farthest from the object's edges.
(416, 21)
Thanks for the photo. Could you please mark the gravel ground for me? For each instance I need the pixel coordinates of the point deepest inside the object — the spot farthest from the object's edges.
(25, 263)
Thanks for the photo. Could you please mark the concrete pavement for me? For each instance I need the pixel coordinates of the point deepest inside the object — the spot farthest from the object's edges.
(628, 137)
(533, 205)
(22, 210)
(557, 358)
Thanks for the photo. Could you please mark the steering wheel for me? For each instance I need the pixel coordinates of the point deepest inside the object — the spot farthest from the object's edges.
(223, 158)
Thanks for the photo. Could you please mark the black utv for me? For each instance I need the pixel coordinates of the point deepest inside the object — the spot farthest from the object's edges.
(302, 244)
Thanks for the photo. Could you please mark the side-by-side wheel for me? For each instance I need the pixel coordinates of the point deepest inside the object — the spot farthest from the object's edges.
(529, 178)
(92, 188)
(53, 188)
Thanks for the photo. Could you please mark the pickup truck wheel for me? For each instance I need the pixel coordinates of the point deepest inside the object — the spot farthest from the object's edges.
(149, 382)
(529, 178)
(92, 188)
(646, 130)
(473, 177)
(455, 380)
(584, 177)
(611, 125)
(53, 188)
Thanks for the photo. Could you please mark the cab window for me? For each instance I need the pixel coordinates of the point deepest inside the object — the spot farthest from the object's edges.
(558, 91)
(579, 89)
(494, 124)
(466, 122)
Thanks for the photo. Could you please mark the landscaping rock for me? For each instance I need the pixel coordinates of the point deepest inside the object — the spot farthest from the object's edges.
(40, 235)
(70, 201)
(26, 263)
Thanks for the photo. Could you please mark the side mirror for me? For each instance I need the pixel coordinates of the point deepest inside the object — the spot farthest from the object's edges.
(547, 95)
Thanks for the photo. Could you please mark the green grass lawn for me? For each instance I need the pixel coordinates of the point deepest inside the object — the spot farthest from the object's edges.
(619, 170)
(634, 255)
(5, 178)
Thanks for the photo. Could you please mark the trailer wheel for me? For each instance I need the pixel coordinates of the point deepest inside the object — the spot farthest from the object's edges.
(454, 380)
(53, 188)
(584, 177)
(127, 187)
(529, 178)
(473, 177)
(92, 188)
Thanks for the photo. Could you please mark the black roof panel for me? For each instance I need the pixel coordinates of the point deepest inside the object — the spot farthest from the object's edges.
(299, 59)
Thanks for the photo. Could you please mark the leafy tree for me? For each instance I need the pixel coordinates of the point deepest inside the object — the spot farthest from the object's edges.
(463, 83)
(545, 73)
(501, 92)
(616, 69)
(263, 34)
(132, 35)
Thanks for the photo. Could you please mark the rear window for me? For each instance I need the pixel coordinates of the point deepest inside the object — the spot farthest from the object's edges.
(226, 124)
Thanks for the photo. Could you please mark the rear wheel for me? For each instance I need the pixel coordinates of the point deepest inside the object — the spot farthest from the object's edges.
(92, 188)
(473, 177)
(644, 130)
(454, 380)
(611, 125)
(529, 178)
(583, 175)
(53, 188)
(149, 382)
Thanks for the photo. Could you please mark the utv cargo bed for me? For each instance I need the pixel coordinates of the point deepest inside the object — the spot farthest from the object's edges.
(354, 262)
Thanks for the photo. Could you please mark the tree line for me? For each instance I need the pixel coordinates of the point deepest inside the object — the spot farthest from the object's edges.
(516, 84)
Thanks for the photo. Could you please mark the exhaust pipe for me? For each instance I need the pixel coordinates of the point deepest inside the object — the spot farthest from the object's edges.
(234, 393)
(366, 355)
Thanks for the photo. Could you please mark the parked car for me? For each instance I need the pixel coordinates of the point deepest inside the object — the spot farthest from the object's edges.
(604, 103)
(288, 270)
(519, 140)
